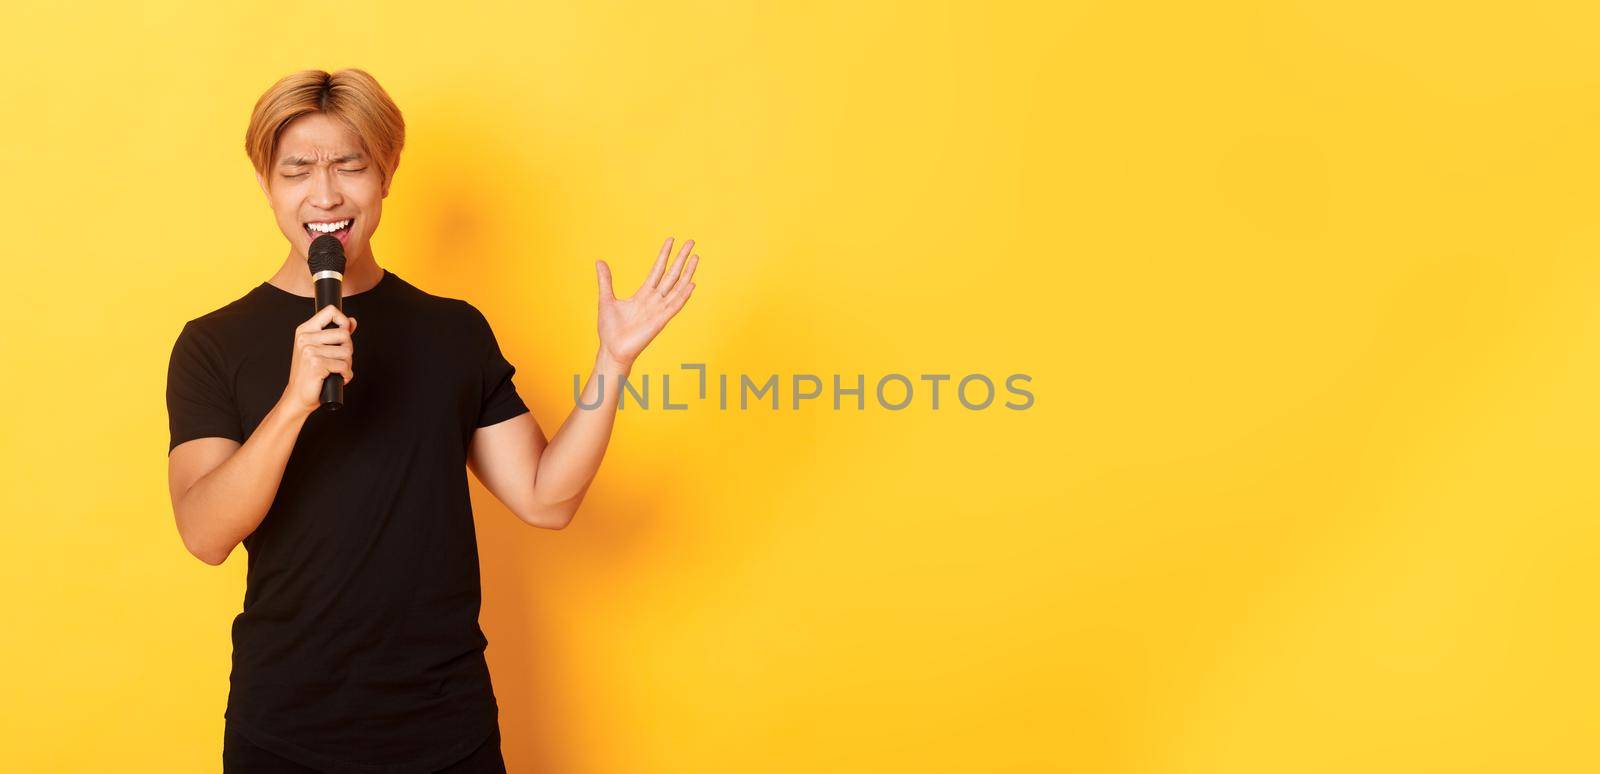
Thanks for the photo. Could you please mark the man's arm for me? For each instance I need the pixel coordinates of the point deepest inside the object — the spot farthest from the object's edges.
(544, 484)
(221, 490)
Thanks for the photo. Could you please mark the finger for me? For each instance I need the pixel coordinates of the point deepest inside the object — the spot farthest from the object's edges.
(337, 319)
(352, 325)
(688, 272)
(323, 335)
(321, 318)
(327, 317)
(333, 364)
(678, 299)
(329, 336)
(339, 367)
(319, 353)
(604, 272)
(660, 265)
(668, 281)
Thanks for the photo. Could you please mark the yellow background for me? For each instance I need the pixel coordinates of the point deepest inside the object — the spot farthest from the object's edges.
(1307, 291)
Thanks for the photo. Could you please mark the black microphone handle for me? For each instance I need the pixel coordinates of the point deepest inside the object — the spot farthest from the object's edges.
(329, 291)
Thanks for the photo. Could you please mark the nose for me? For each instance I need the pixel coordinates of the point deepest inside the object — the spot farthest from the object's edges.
(324, 193)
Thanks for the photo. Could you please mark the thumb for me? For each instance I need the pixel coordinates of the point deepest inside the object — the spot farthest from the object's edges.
(604, 273)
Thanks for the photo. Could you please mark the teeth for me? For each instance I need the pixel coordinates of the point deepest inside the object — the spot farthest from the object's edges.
(327, 228)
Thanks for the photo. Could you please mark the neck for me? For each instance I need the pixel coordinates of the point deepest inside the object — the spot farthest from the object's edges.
(294, 276)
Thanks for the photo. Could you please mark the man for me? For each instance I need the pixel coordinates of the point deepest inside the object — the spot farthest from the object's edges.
(358, 648)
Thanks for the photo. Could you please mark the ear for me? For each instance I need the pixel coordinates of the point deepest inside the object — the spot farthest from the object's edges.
(263, 184)
(384, 194)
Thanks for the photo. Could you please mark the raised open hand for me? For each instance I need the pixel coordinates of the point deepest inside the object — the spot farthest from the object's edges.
(627, 325)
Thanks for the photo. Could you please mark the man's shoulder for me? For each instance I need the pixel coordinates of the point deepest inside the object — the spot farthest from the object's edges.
(394, 287)
(232, 316)
(457, 310)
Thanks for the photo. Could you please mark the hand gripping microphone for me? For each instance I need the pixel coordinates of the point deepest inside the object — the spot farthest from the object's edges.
(326, 262)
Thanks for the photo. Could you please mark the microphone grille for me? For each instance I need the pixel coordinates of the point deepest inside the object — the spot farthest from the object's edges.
(326, 254)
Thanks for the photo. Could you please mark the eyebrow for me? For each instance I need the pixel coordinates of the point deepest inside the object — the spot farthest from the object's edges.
(298, 161)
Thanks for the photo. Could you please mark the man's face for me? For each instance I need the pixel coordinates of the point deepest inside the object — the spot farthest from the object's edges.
(323, 175)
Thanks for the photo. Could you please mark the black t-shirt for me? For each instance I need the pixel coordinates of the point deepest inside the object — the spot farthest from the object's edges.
(358, 649)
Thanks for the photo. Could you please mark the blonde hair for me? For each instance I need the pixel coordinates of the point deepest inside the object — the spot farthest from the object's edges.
(351, 96)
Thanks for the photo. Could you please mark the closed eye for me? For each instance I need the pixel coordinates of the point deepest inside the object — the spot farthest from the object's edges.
(362, 169)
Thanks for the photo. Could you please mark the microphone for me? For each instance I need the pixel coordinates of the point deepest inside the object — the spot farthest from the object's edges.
(326, 262)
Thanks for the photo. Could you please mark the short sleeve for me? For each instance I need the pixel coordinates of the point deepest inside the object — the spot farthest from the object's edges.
(500, 398)
(199, 401)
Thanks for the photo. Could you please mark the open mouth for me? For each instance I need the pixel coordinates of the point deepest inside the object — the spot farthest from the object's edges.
(340, 229)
